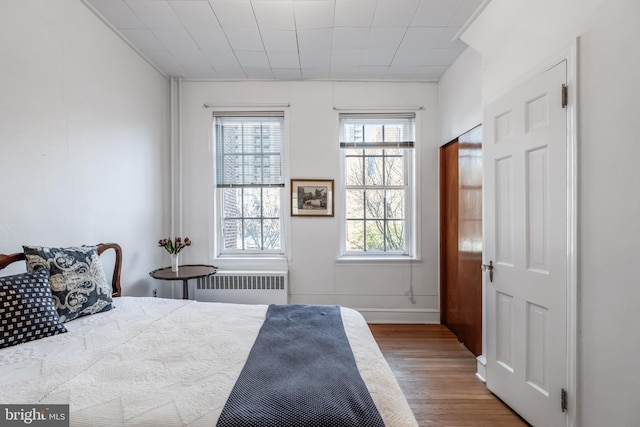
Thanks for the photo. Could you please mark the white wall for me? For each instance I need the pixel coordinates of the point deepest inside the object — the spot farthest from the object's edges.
(513, 36)
(315, 276)
(460, 95)
(83, 125)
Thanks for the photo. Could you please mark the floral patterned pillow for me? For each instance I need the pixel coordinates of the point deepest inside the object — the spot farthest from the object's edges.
(78, 283)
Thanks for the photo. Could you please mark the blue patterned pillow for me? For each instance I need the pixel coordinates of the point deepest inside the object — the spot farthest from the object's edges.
(27, 312)
(78, 282)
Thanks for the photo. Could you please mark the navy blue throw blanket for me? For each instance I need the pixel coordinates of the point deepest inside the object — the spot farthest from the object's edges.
(300, 373)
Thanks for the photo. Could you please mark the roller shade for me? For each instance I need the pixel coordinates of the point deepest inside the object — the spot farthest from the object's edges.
(377, 130)
(249, 149)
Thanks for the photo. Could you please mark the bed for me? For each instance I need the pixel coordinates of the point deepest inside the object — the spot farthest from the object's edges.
(153, 361)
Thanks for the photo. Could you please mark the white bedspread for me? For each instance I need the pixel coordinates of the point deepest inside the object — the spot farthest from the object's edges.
(162, 362)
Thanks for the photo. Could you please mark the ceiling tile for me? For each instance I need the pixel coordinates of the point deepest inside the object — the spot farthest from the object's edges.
(164, 60)
(315, 39)
(181, 45)
(244, 39)
(377, 57)
(399, 72)
(250, 59)
(350, 38)
(315, 58)
(316, 73)
(372, 72)
(231, 73)
(395, 13)
(430, 37)
(236, 14)
(354, 13)
(274, 15)
(346, 57)
(118, 14)
(283, 60)
(287, 73)
(222, 58)
(155, 14)
(143, 39)
(419, 57)
(433, 72)
(345, 72)
(195, 14)
(435, 13)
(385, 38)
(313, 15)
(260, 73)
(210, 38)
(281, 41)
(200, 72)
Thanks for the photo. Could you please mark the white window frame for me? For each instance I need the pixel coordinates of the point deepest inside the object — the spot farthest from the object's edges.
(218, 250)
(412, 204)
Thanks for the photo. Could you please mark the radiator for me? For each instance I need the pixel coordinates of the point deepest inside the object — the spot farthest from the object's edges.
(244, 287)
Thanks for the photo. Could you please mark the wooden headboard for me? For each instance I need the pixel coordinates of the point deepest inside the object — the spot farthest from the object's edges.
(6, 260)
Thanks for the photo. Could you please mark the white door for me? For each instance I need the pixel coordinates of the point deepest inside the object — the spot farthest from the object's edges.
(525, 142)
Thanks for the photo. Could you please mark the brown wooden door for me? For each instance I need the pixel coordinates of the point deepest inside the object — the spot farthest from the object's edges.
(461, 238)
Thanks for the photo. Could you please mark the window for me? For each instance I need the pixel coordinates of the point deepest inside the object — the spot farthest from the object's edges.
(377, 155)
(249, 182)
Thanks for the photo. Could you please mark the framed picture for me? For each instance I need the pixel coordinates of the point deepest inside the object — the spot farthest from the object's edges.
(311, 197)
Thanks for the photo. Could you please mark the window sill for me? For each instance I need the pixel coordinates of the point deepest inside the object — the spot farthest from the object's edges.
(377, 259)
(249, 262)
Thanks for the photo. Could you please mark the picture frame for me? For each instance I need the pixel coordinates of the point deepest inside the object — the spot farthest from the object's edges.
(312, 197)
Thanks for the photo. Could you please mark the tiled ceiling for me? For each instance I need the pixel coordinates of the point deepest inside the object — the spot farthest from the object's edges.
(293, 39)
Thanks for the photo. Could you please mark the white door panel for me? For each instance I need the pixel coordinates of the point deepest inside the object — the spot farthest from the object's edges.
(526, 238)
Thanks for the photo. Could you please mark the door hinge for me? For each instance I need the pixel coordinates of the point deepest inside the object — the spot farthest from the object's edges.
(564, 96)
(563, 400)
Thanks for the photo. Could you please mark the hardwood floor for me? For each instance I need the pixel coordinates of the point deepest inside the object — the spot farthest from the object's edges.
(437, 375)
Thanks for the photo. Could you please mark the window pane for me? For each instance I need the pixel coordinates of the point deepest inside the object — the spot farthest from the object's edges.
(355, 235)
(232, 203)
(232, 234)
(358, 152)
(372, 170)
(394, 171)
(374, 204)
(395, 236)
(395, 204)
(375, 235)
(355, 204)
(252, 234)
(353, 170)
(393, 133)
(271, 202)
(373, 133)
(353, 132)
(271, 233)
(251, 203)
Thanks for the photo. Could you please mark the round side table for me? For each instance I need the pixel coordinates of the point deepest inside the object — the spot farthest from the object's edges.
(184, 273)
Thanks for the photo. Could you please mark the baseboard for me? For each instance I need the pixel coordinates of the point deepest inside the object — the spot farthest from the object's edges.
(481, 368)
(400, 315)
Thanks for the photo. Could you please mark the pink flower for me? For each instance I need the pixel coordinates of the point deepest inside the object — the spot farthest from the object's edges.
(174, 246)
